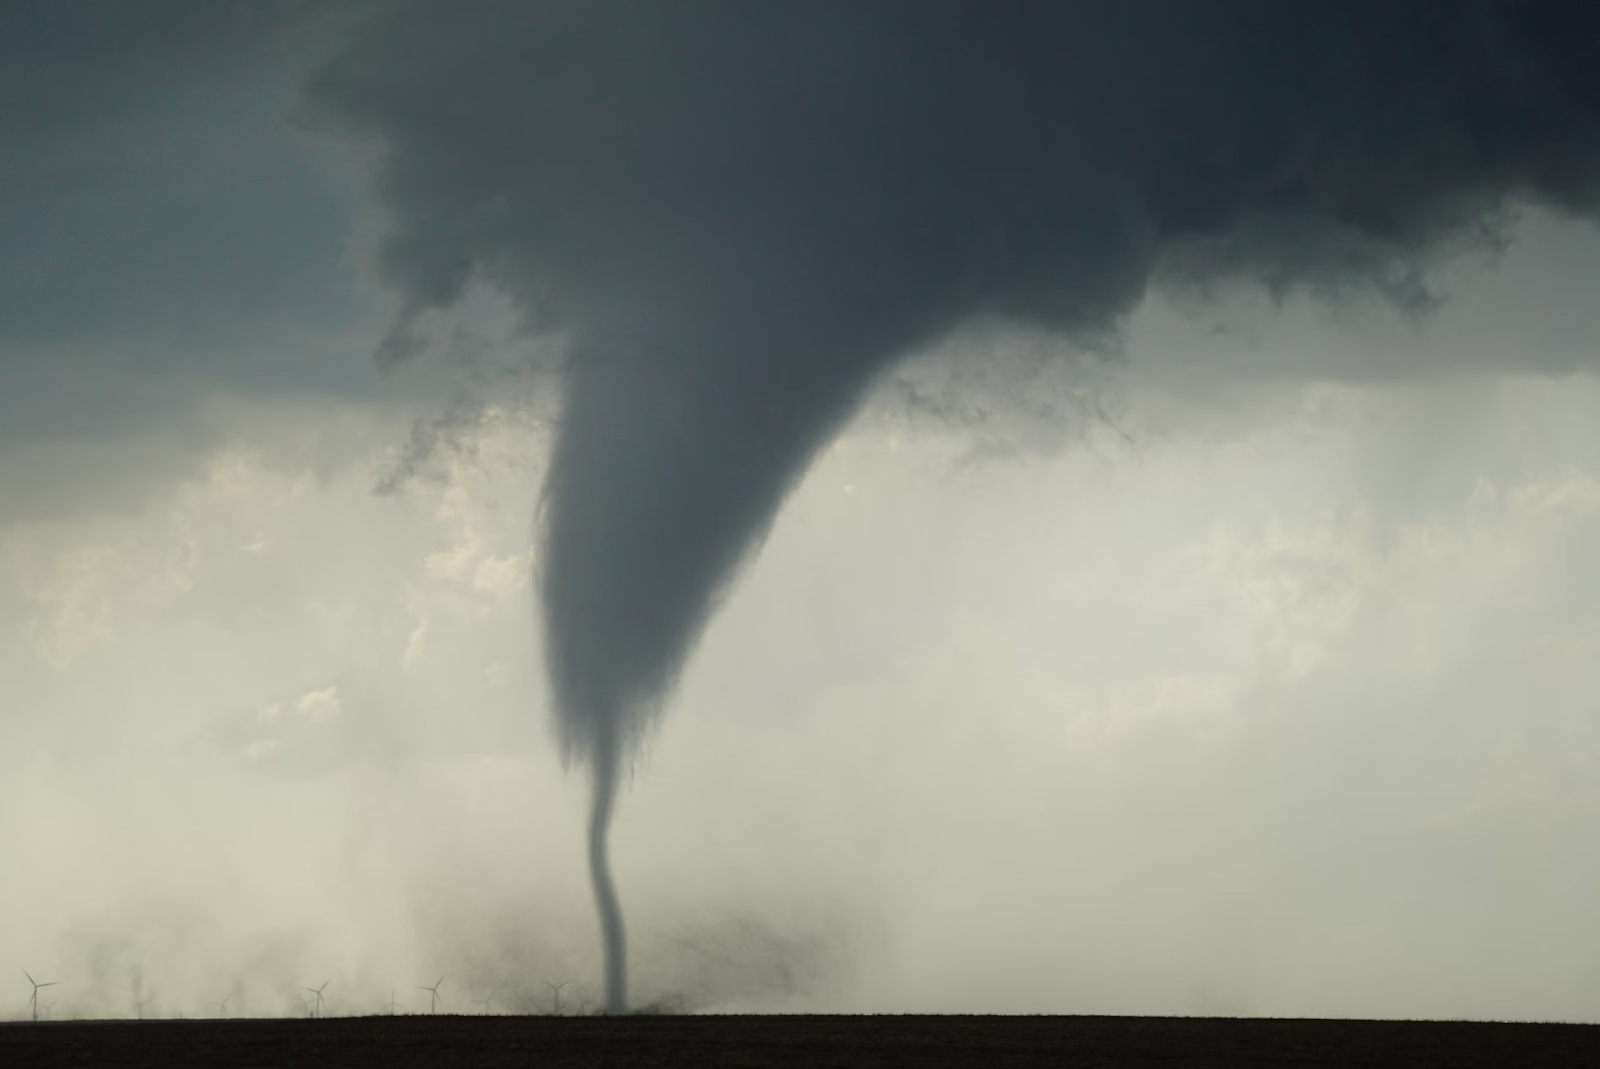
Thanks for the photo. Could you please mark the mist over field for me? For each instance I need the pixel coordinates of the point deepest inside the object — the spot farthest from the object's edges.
(1240, 660)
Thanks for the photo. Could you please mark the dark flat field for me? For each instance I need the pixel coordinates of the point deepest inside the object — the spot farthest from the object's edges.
(812, 1042)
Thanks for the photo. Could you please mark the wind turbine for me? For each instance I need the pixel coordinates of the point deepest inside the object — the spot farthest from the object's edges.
(437, 998)
(306, 1003)
(555, 996)
(317, 991)
(391, 1005)
(140, 1003)
(486, 1003)
(223, 1006)
(34, 1001)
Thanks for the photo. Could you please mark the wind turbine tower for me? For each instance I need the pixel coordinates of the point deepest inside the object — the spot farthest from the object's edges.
(34, 1001)
(555, 996)
(436, 998)
(317, 991)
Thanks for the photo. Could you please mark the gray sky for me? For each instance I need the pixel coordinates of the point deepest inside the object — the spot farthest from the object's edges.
(1237, 660)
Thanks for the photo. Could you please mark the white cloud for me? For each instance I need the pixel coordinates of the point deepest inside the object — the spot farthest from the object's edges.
(72, 592)
(1572, 493)
(320, 705)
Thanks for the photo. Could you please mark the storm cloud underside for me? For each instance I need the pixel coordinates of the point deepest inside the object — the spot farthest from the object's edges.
(735, 217)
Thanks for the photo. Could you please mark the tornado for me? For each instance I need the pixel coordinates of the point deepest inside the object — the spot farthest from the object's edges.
(653, 468)
(732, 218)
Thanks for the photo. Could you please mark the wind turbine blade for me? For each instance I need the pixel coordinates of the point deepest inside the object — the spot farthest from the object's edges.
(30, 978)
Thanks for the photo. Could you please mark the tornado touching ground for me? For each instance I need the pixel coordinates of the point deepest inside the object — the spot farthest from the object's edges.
(735, 216)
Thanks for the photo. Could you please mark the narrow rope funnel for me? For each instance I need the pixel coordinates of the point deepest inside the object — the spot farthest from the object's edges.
(613, 939)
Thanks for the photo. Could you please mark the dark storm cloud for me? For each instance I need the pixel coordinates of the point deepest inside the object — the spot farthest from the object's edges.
(738, 215)
(160, 220)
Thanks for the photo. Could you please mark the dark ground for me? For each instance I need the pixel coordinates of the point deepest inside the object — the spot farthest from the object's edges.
(812, 1042)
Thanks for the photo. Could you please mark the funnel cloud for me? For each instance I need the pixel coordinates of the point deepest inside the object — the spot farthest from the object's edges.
(735, 217)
